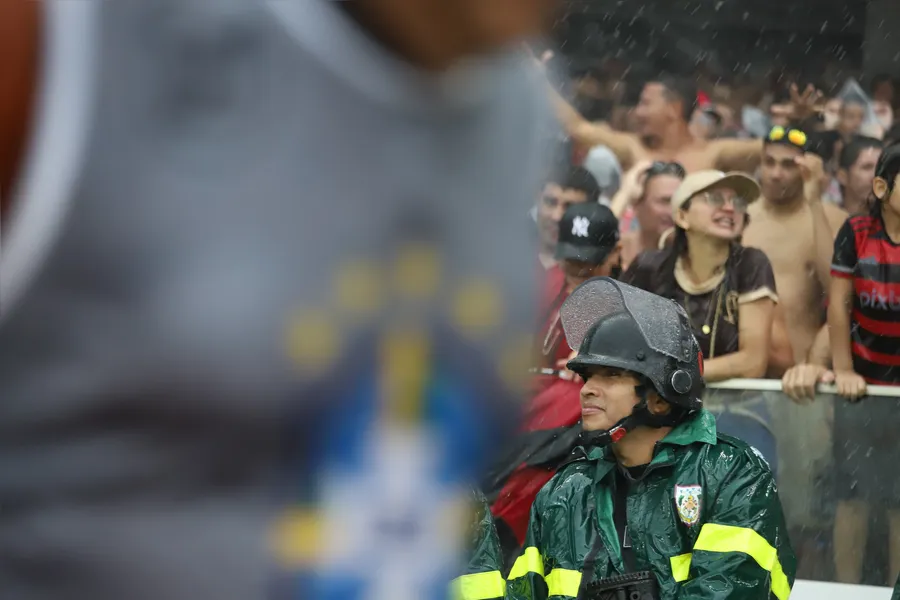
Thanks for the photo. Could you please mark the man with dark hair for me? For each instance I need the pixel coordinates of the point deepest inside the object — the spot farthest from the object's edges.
(663, 133)
(856, 170)
(796, 231)
(656, 503)
(566, 186)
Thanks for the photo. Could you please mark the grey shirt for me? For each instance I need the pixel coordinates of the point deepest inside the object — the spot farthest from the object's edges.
(212, 166)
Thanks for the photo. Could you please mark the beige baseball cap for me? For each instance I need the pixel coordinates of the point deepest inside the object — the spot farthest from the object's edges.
(701, 181)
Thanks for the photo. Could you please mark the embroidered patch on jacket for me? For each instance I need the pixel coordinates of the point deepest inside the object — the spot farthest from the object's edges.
(687, 501)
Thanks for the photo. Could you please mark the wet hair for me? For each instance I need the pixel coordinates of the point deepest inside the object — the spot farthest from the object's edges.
(659, 168)
(577, 178)
(892, 135)
(856, 146)
(888, 168)
(679, 89)
(821, 143)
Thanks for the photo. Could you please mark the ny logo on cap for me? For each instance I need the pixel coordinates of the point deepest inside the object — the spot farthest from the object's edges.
(580, 226)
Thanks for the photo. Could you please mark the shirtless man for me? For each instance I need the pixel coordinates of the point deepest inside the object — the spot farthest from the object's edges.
(796, 229)
(663, 115)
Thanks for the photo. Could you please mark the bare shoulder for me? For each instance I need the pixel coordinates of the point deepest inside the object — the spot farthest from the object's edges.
(755, 210)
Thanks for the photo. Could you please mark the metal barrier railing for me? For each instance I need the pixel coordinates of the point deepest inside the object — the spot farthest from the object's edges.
(774, 385)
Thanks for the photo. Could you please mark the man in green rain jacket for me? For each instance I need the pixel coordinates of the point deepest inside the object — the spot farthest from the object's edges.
(482, 579)
(656, 489)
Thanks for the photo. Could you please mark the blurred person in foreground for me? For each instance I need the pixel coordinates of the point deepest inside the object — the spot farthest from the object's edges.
(864, 317)
(656, 503)
(728, 292)
(663, 115)
(204, 367)
(649, 193)
(588, 247)
(856, 170)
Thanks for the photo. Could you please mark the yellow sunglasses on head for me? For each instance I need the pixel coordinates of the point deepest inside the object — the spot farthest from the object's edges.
(794, 136)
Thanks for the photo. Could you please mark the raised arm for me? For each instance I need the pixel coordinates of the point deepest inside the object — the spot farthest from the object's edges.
(825, 220)
(745, 155)
(625, 146)
(736, 155)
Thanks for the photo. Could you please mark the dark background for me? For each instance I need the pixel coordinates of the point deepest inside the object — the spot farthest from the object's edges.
(728, 38)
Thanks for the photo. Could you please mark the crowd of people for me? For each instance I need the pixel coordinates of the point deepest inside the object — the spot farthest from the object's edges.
(197, 351)
(781, 248)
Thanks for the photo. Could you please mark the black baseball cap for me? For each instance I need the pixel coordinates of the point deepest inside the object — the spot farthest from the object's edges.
(588, 232)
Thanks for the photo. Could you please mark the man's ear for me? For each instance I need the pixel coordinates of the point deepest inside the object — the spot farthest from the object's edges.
(656, 405)
(880, 187)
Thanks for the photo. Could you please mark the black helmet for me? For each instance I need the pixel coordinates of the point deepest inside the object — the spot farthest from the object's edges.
(613, 324)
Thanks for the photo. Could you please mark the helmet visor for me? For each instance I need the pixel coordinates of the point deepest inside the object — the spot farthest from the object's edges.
(662, 322)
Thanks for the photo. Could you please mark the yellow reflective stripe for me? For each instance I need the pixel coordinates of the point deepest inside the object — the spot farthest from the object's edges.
(681, 566)
(563, 582)
(727, 538)
(530, 561)
(560, 582)
(479, 586)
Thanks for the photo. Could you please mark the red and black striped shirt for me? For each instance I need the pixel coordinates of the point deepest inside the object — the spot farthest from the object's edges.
(864, 253)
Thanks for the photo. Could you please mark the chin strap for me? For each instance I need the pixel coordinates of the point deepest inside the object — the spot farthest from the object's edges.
(639, 417)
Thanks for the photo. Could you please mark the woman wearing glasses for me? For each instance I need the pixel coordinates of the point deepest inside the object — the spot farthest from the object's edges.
(727, 290)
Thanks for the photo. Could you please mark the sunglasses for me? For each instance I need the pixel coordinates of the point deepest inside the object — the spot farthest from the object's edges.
(717, 199)
(792, 136)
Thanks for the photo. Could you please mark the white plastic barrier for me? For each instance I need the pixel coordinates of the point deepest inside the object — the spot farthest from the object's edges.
(819, 590)
(774, 385)
(805, 446)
